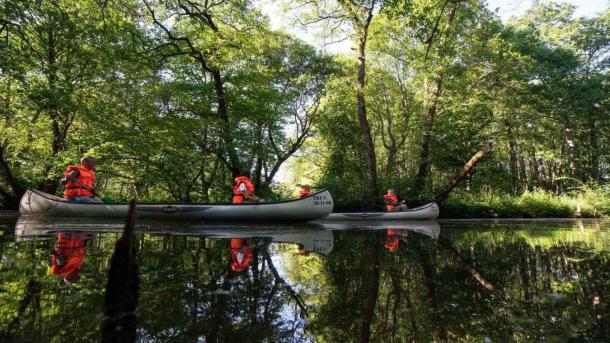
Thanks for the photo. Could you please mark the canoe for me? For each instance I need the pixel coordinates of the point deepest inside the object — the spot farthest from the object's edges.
(426, 212)
(314, 206)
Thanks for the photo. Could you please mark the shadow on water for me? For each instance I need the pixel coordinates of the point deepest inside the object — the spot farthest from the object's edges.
(491, 281)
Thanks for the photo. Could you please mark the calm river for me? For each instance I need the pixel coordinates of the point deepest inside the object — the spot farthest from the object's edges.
(459, 281)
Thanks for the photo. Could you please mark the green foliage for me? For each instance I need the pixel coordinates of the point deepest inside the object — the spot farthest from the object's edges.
(106, 80)
(174, 98)
(587, 203)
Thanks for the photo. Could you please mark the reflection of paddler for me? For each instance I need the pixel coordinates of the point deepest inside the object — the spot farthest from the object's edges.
(68, 255)
(241, 254)
(393, 239)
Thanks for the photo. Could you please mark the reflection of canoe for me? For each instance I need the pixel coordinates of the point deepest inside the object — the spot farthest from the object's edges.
(429, 228)
(315, 206)
(426, 212)
(312, 237)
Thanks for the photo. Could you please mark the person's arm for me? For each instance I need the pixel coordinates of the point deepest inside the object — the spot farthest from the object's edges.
(72, 176)
(390, 201)
(244, 192)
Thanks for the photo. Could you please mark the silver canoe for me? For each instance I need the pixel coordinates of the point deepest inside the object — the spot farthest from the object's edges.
(314, 206)
(426, 212)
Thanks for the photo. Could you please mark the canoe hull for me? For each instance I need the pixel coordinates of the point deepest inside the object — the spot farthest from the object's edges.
(315, 206)
(426, 212)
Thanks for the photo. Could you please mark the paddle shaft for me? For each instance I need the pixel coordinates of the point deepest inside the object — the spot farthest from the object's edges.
(87, 188)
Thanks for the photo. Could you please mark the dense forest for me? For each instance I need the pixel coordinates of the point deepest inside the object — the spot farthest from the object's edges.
(174, 98)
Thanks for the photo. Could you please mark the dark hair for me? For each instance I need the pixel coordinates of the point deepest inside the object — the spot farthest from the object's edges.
(245, 172)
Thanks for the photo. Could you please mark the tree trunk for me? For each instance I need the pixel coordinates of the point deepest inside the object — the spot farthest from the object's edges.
(424, 157)
(594, 149)
(437, 89)
(10, 198)
(234, 163)
(534, 168)
(523, 171)
(570, 149)
(513, 159)
(371, 158)
(442, 196)
(58, 140)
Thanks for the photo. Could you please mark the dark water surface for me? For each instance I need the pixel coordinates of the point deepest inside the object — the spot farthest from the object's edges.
(460, 281)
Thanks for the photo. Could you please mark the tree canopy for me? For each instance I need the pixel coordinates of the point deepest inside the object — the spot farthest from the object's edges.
(176, 97)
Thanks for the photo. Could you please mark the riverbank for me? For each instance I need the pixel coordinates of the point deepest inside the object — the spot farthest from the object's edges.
(538, 204)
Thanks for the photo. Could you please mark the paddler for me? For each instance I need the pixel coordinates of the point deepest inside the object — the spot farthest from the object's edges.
(391, 202)
(243, 189)
(79, 182)
(305, 190)
(241, 254)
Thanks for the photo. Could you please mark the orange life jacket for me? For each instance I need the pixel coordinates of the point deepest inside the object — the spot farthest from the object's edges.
(69, 255)
(83, 184)
(392, 241)
(304, 192)
(390, 199)
(238, 198)
(240, 259)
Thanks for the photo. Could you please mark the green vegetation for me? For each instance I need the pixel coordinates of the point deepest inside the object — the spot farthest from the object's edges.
(537, 204)
(176, 97)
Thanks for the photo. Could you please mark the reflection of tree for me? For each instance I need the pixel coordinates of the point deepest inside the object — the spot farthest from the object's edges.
(353, 290)
(30, 300)
(280, 281)
(464, 288)
(425, 291)
(216, 302)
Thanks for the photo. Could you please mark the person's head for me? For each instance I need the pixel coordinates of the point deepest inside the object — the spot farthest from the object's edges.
(240, 261)
(303, 251)
(304, 186)
(391, 243)
(390, 190)
(245, 172)
(88, 162)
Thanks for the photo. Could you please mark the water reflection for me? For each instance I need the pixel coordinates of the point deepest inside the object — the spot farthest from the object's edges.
(68, 255)
(470, 281)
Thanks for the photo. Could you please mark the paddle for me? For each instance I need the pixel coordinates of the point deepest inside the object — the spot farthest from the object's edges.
(92, 191)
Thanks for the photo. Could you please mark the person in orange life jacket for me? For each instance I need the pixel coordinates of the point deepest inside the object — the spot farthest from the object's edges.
(241, 254)
(392, 240)
(304, 191)
(243, 189)
(391, 202)
(79, 182)
(68, 256)
(302, 250)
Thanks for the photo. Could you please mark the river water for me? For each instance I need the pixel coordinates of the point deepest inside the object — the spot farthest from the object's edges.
(451, 281)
